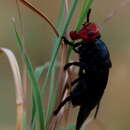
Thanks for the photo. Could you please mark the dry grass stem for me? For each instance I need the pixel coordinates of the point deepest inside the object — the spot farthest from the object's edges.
(25, 85)
(61, 73)
(18, 85)
(62, 61)
(65, 80)
(64, 77)
(37, 11)
(54, 120)
(24, 74)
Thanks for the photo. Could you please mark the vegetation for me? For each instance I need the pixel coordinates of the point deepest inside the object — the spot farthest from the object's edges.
(42, 112)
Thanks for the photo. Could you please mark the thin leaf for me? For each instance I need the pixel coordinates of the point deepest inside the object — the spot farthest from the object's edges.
(33, 115)
(24, 122)
(83, 13)
(35, 87)
(60, 129)
(86, 6)
(52, 96)
(71, 127)
(37, 73)
(58, 41)
(60, 19)
(39, 70)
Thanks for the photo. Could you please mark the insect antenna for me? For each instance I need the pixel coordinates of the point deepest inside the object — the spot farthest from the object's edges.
(115, 12)
(88, 15)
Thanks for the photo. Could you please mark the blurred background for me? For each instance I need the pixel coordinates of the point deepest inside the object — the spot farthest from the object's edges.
(115, 107)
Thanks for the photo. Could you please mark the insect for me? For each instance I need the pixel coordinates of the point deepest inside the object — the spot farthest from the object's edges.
(94, 65)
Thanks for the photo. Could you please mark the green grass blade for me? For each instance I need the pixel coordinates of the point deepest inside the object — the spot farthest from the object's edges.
(58, 41)
(24, 121)
(52, 89)
(60, 129)
(52, 95)
(33, 115)
(71, 127)
(59, 26)
(35, 87)
(83, 13)
(60, 19)
(39, 70)
(86, 6)
(55, 51)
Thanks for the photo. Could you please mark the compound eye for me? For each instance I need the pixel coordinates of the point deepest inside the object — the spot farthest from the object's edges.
(91, 33)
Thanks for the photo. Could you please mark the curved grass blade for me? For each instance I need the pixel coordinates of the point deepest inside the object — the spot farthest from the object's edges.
(35, 87)
(18, 85)
(38, 71)
(52, 90)
(42, 15)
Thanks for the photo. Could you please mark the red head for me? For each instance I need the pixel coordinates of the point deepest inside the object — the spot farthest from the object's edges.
(89, 32)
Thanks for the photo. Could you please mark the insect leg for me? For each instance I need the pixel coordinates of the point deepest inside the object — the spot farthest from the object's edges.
(79, 64)
(97, 109)
(61, 105)
(73, 45)
(82, 116)
(66, 41)
(75, 81)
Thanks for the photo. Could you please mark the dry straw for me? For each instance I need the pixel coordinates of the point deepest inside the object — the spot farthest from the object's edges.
(18, 85)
